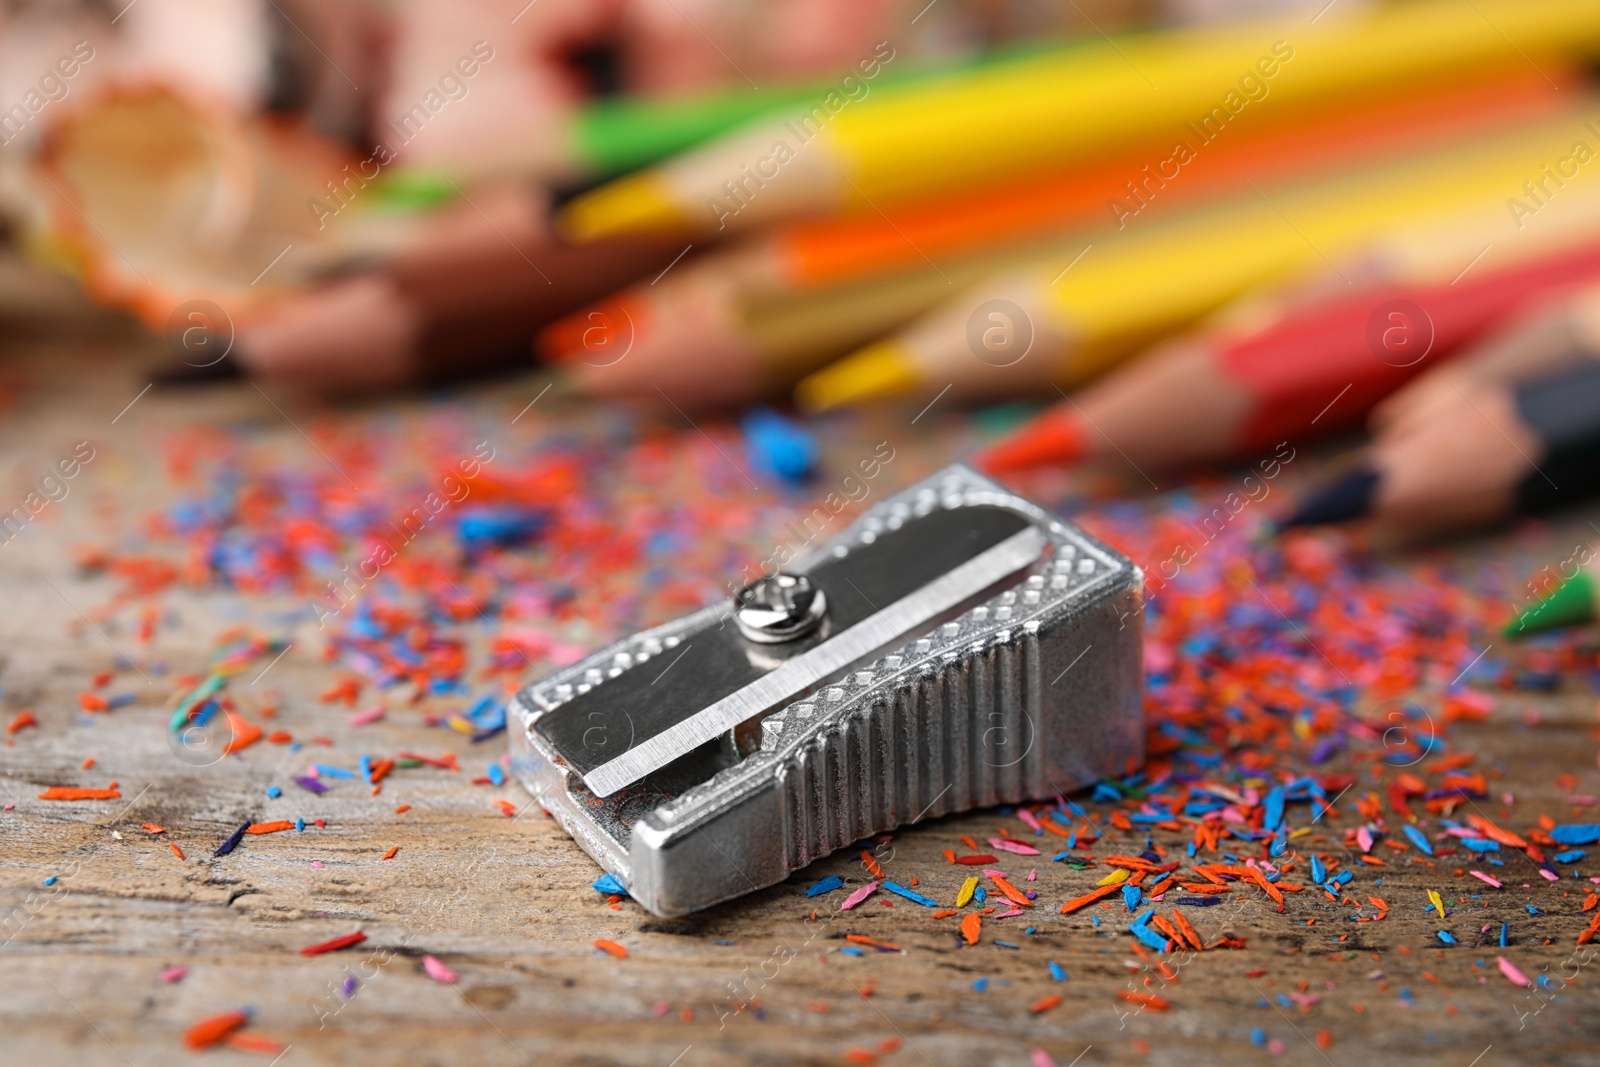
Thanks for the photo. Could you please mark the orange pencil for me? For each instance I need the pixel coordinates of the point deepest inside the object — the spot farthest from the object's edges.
(1118, 189)
(751, 320)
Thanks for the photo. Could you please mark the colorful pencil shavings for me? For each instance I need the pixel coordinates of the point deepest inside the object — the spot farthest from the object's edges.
(334, 944)
(911, 895)
(210, 1031)
(1269, 779)
(858, 896)
(64, 792)
(438, 971)
(1512, 973)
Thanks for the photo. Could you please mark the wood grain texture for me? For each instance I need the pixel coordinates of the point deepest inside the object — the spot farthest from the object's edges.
(507, 902)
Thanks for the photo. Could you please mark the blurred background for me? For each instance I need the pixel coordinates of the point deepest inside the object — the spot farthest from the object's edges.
(368, 192)
(1137, 234)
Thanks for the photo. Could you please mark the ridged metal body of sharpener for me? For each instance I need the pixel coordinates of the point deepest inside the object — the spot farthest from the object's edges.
(955, 647)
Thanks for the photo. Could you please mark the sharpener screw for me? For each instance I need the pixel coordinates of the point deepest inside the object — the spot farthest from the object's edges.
(779, 607)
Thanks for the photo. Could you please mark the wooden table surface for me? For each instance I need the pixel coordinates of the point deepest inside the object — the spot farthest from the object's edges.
(507, 903)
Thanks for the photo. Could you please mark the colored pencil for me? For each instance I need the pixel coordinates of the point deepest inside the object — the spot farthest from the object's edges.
(574, 142)
(749, 321)
(1071, 318)
(704, 337)
(614, 135)
(1541, 340)
(1574, 600)
(1025, 116)
(1500, 450)
(465, 296)
(1297, 368)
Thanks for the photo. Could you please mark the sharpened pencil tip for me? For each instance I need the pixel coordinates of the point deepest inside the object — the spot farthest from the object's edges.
(880, 370)
(1571, 604)
(640, 203)
(1348, 497)
(1053, 437)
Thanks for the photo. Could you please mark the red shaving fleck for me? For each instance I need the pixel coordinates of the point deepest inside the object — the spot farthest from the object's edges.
(333, 946)
(67, 792)
(244, 733)
(1149, 1000)
(208, 1032)
(1089, 898)
(254, 1043)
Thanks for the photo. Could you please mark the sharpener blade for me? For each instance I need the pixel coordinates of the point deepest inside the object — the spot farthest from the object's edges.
(798, 675)
(879, 592)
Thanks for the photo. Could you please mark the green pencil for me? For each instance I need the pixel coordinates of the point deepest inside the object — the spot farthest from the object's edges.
(606, 138)
(1572, 603)
(616, 135)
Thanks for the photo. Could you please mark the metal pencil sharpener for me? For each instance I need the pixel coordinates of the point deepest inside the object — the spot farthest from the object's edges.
(956, 647)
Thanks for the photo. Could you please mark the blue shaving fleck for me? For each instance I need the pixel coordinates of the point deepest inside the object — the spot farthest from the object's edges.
(1149, 937)
(1273, 814)
(827, 885)
(1576, 834)
(779, 446)
(232, 841)
(910, 895)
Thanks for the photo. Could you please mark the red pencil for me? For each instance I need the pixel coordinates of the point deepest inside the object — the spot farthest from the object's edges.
(1314, 365)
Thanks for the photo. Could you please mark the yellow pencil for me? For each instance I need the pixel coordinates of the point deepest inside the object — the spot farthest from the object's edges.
(978, 125)
(1066, 320)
